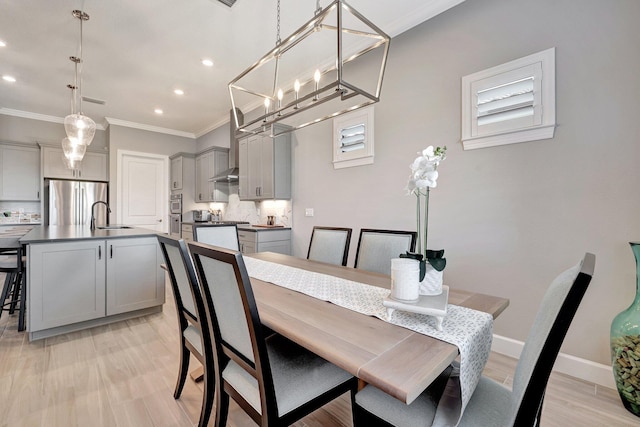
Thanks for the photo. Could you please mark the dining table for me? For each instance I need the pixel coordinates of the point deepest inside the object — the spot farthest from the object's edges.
(399, 361)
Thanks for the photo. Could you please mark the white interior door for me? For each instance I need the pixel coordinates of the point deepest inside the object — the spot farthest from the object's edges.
(142, 197)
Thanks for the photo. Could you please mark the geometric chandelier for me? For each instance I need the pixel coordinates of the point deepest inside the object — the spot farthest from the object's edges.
(331, 65)
(80, 129)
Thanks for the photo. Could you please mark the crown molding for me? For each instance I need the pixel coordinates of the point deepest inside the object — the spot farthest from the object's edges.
(141, 126)
(420, 15)
(211, 127)
(37, 116)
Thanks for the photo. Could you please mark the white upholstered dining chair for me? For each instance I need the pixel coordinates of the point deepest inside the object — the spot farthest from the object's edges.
(274, 380)
(222, 235)
(195, 335)
(492, 404)
(376, 248)
(330, 245)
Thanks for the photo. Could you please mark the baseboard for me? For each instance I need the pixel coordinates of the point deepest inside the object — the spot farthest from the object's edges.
(577, 367)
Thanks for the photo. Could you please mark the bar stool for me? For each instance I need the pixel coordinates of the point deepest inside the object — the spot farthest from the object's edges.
(13, 292)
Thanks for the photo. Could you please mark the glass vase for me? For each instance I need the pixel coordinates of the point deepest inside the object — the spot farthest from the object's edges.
(625, 347)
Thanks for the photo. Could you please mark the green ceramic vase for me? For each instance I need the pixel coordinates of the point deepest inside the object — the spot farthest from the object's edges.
(625, 347)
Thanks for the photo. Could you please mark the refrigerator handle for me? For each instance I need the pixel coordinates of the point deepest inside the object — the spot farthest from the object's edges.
(82, 206)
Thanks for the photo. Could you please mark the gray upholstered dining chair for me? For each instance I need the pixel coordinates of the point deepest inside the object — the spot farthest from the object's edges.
(330, 245)
(492, 404)
(222, 235)
(376, 248)
(195, 335)
(274, 380)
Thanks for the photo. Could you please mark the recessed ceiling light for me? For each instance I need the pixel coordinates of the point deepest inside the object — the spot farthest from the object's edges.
(178, 92)
(9, 79)
(207, 62)
(2, 44)
(158, 111)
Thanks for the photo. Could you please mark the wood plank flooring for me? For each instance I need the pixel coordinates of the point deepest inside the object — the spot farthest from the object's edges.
(124, 375)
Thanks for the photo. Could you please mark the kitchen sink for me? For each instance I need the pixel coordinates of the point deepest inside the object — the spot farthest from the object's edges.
(112, 227)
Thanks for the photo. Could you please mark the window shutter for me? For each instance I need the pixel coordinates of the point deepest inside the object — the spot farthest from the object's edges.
(505, 102)
(352, 138)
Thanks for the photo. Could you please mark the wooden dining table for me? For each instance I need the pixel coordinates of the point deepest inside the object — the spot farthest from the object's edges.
(401, 362)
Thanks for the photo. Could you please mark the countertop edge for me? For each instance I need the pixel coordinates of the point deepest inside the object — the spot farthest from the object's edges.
(57, 234)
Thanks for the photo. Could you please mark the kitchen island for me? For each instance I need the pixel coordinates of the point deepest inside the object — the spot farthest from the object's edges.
(79, 278)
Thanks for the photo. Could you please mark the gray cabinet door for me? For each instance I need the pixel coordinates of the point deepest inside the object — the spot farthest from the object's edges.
(134, 276)
(219, 190)
(19, 173)
(204, 166)
(176, 173)
(254, 167)
(94, 167)
(243, 178)
(66, 283)
(265, 167)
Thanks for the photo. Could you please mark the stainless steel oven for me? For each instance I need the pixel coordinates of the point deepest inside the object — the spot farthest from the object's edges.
(175, 225)
(175, 204)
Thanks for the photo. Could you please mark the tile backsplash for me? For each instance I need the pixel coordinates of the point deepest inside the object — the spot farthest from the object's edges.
(18, 212)
(255, 212)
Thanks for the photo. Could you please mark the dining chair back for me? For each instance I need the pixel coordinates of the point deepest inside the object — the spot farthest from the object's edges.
(222, 235)
(275, 381)
(330, 245)
(376, 248)
(195, 335)
(492, 404)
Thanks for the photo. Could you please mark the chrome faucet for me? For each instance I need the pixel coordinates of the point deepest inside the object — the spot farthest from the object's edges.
(93, 216)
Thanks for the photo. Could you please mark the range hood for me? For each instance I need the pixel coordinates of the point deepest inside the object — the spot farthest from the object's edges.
(231, 174)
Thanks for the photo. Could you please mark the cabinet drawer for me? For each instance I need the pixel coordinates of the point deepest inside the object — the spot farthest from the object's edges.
(249, 236)
(273, 235)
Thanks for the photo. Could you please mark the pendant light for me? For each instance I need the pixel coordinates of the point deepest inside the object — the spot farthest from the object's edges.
(331, 65)
(80, 129)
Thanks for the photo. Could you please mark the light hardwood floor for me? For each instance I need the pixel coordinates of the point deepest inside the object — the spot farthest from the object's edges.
(124, 374)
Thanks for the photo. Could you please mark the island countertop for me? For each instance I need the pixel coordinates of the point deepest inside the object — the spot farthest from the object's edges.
(61, 233)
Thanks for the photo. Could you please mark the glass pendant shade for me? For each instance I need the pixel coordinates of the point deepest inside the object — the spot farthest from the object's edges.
(71, 164)
(80, 128)
(73, 151)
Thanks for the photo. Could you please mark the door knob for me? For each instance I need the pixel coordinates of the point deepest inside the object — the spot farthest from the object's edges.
(160, 220)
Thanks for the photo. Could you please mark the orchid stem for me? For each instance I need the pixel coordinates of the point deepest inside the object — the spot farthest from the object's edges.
(418, 229)
(426, 221)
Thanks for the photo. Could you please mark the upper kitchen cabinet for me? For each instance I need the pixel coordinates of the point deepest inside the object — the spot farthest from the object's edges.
(265, 167)
(92, 168)
(209, 164)
(182, 171)
(20, 172)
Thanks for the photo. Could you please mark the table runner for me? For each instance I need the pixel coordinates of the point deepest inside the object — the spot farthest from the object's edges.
(470, 330)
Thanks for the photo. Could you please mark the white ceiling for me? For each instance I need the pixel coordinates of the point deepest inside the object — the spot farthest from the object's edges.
(136, 52)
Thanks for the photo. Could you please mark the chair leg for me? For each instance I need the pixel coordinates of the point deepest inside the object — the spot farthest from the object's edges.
(222, 407)
(15, 293)
(207, 399)
(23, 302)
(184, 370)
(5, 291)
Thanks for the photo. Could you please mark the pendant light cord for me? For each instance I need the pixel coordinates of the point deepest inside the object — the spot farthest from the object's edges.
(80, 66)
(278, 41)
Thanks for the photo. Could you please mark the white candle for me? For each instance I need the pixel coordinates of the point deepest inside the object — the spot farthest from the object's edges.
(296, 87)
(316, 77)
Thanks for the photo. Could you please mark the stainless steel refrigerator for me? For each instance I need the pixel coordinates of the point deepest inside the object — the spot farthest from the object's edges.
(69, 202)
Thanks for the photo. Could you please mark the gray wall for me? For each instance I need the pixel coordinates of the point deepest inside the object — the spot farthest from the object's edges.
(513, 217)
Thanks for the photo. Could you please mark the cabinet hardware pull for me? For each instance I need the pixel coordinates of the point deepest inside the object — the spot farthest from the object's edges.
(99, 252)
(110, 251)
